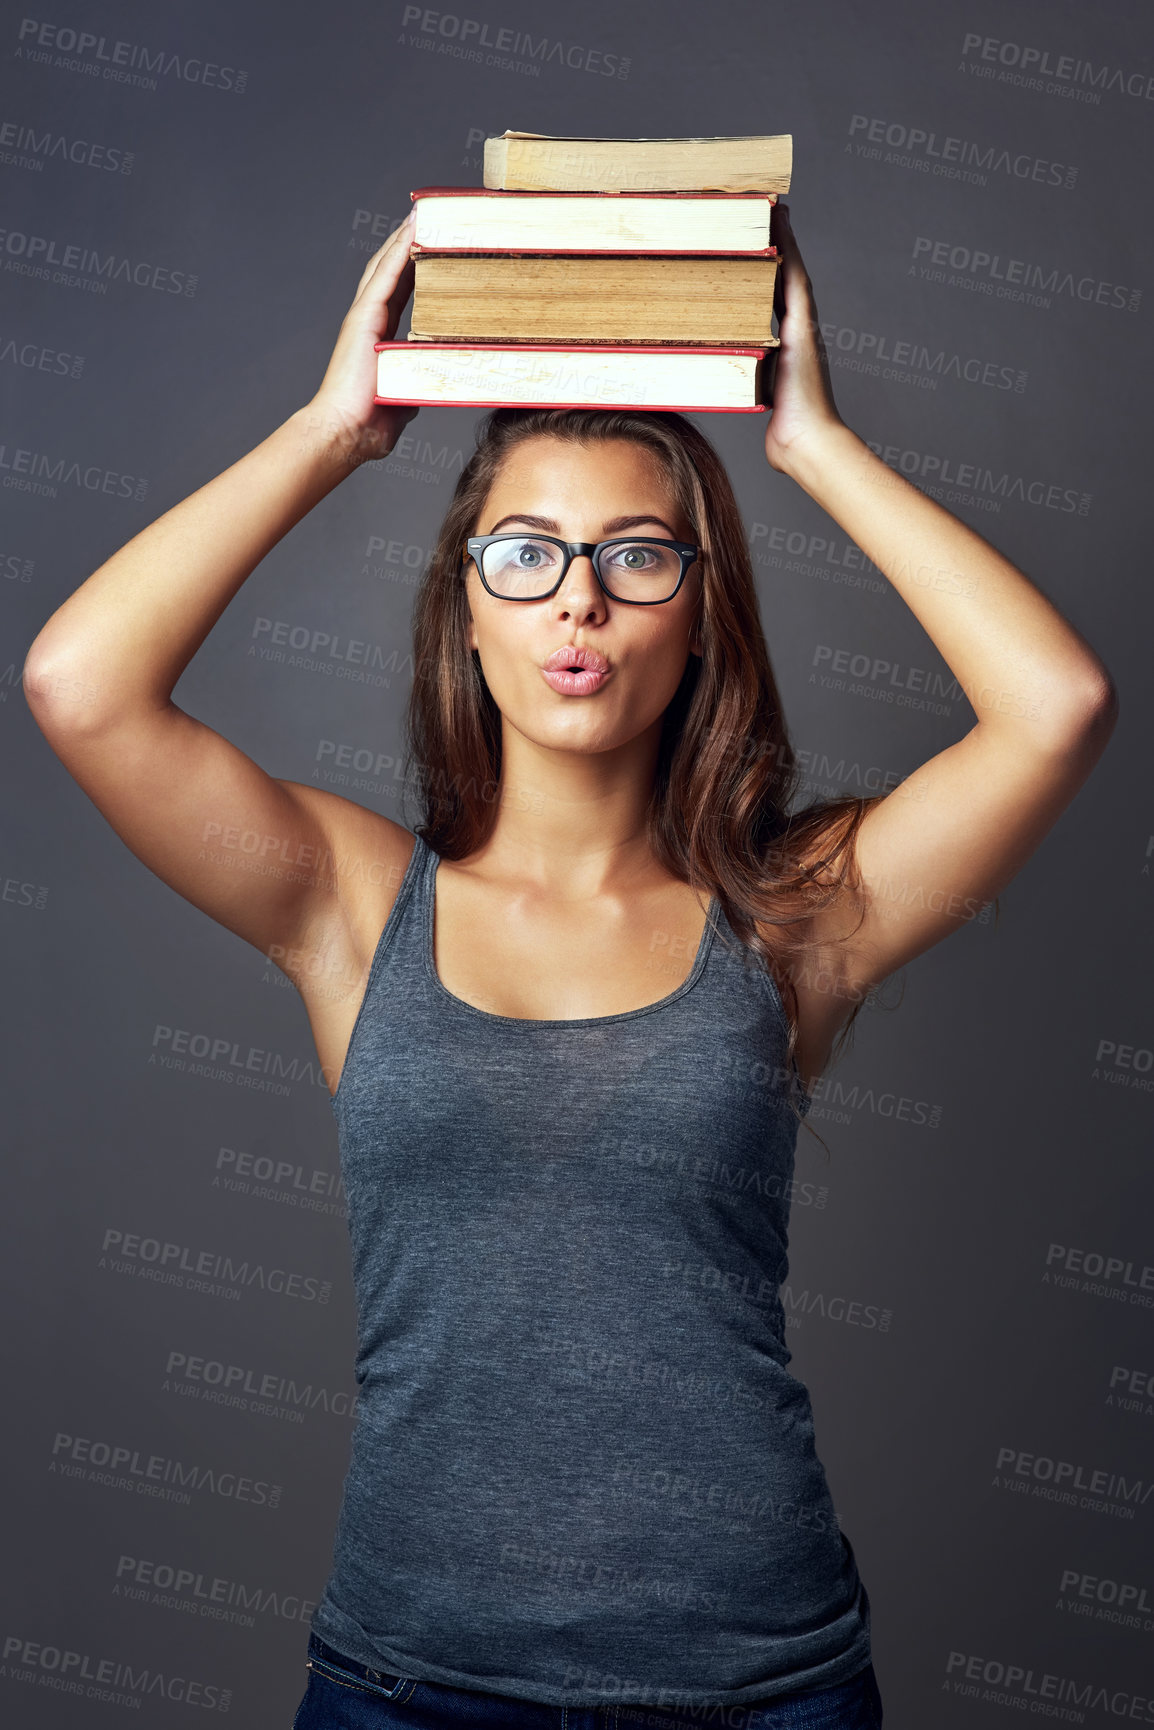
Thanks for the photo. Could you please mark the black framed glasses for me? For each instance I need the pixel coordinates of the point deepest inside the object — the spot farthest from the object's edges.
(523, 567)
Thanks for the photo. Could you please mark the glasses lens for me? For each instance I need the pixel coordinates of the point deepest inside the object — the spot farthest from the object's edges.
(640, 570)
(521, 567)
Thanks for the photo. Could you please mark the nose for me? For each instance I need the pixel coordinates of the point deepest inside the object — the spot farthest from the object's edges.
(580, 590)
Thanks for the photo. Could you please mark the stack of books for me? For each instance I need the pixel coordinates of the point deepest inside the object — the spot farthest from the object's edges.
(596, 273)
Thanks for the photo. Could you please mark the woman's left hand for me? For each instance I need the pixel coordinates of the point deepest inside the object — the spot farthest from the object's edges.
(803, 406)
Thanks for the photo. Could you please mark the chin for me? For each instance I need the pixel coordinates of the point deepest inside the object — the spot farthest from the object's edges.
(567, 732)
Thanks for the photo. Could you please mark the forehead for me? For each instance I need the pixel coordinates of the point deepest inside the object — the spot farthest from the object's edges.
(555, 477)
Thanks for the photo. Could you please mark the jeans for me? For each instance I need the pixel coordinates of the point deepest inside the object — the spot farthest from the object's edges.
(342, 1695)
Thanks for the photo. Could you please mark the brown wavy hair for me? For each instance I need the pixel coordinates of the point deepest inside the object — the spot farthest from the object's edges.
(719, 817)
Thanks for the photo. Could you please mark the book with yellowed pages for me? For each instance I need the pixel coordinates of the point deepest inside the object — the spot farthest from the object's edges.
(474, 219)
(554, 375)
(530, 161)
(602, 297)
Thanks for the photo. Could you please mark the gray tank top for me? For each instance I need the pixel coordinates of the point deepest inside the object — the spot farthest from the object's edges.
(581, 1471)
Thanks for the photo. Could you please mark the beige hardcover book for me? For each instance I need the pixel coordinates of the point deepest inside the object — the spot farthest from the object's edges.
(473, 219)
(537, 161)
(524, 297)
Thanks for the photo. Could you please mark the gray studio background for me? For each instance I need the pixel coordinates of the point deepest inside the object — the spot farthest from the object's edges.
(972, 1270)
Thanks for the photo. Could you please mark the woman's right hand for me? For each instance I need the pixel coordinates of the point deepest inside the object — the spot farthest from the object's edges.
(343, 409)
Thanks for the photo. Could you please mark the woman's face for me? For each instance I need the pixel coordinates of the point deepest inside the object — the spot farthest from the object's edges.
(591, 493)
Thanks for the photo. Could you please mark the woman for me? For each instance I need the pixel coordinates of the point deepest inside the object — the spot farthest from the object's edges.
(565, 1063)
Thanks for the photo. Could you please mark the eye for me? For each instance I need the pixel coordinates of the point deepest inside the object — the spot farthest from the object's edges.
(521, 554)
(521, 566)
(633, 557)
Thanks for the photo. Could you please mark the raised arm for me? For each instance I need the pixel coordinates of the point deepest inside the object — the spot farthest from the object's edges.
(100, 674)
(956, 831)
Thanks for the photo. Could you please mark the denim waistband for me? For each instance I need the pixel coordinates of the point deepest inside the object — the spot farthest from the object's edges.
(323, 1654)
(858, 1696)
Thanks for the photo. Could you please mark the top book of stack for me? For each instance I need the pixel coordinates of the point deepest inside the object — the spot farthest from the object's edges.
(596, 272)
(536, 162)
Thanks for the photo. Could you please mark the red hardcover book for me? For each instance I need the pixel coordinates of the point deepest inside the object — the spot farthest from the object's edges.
(572, 375)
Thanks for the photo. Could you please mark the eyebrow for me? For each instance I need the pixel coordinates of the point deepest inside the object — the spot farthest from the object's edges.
(610, 527)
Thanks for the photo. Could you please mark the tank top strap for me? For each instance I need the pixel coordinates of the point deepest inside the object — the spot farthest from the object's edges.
(412, 893)
(400, 942)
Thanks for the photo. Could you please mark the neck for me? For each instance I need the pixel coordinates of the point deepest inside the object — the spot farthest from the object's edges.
(572, 823)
